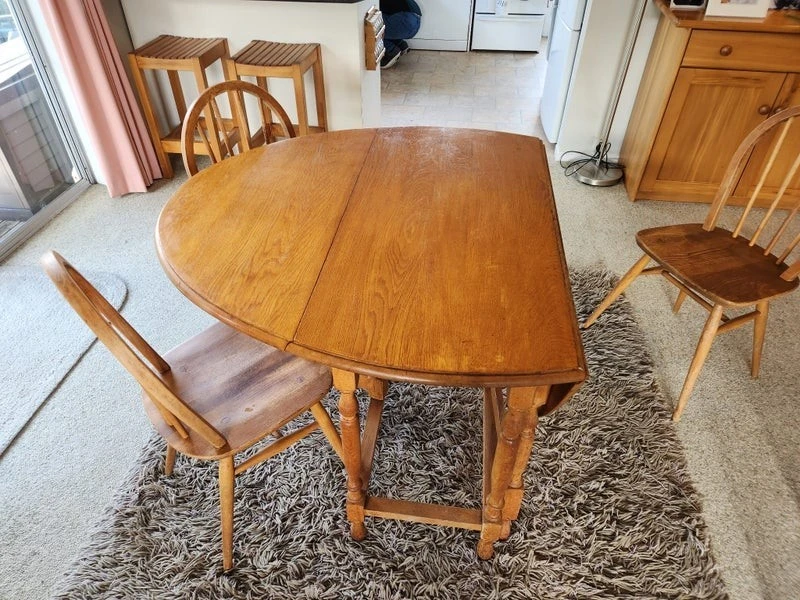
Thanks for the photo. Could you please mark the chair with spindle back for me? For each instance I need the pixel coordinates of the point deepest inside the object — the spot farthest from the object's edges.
(722, 269)
(205, 110)
(213, 396)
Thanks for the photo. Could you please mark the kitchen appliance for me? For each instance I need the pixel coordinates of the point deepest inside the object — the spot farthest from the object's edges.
(563, 46)
(445, 25)
(515, 25)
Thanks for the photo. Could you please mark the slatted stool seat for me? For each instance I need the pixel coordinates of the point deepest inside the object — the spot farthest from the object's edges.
(172, 54)
(261, 59)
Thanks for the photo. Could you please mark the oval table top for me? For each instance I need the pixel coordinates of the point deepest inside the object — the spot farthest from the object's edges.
(429, 255)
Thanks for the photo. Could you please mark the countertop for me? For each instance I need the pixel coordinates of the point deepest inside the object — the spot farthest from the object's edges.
(776, 21)
(314, 1)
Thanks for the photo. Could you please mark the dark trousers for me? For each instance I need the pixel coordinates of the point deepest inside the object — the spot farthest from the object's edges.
(399, 26)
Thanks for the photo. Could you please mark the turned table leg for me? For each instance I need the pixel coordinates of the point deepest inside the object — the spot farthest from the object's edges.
(346, 383)
(512, 450)
(516, 488)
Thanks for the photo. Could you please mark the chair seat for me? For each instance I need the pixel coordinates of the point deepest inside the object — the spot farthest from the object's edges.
(242, 387)
(274, 54)
(724, 269)
(181, 49)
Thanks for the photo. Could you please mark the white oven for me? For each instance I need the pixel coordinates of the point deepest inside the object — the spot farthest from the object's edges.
(515, 25)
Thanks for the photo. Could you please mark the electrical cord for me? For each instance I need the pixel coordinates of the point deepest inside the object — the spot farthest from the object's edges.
(575, 165)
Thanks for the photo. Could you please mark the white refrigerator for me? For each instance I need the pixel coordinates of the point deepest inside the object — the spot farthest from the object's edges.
(560, 60)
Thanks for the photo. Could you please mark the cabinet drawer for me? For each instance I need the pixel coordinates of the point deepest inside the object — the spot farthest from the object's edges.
(744, 51)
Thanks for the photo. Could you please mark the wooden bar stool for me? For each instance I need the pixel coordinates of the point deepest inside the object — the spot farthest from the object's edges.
(172, 54)
(262, 59)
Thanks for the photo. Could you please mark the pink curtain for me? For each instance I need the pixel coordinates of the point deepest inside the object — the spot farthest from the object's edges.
(116, 129)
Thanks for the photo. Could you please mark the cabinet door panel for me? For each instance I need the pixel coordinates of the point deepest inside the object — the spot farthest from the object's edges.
(709, 113)
(789, 96)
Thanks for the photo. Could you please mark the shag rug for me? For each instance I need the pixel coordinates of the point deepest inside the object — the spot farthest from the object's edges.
(609, 509)
(42, 339)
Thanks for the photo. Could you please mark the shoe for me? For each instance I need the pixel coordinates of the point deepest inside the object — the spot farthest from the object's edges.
(403, 45)
(388, 60)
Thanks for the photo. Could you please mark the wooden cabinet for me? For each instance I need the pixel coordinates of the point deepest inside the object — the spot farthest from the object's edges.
(706, 85)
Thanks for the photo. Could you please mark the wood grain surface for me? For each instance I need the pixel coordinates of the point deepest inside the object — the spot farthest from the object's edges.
(449, 261)
(726, 270)
(422, 254)
(246, 239)
(775, 21)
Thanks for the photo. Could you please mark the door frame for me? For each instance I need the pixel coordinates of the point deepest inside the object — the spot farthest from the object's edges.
(66, 127)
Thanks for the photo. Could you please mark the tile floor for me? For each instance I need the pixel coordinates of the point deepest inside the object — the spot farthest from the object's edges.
(485, 90)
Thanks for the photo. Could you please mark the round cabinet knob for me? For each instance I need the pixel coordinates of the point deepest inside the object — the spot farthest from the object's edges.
(764, 109)
(726, 50)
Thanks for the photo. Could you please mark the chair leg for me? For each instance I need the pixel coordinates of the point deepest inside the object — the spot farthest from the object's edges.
(226, 474)
(759, 329)
(679, 301)
(169, 461)
(328, 428)
(623, 284)
(703, 346)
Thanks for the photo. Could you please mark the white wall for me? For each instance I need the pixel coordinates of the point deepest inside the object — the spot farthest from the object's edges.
(604, 33)
(353, 94)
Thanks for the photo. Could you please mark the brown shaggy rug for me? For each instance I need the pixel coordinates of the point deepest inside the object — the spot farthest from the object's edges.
(609, 509)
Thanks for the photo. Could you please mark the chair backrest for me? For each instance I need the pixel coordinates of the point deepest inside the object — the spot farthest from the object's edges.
(129, 348)
(219, 136)
(778, 169)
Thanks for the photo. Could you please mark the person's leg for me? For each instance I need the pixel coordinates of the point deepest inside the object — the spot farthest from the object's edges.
(400, 26)
(391, 54)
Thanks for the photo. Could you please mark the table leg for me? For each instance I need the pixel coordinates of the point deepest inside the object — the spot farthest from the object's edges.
(346, 383)
(376, 388)
(516, 488)
(521, 402)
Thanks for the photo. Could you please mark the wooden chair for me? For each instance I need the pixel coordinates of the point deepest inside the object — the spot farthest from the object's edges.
(204, 120)
(213, 396)
(720, 269)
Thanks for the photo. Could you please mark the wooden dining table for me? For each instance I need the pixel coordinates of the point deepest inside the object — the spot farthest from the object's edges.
(420, 254)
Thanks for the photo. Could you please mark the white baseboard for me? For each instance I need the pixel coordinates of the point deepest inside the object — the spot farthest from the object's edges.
(423, 44)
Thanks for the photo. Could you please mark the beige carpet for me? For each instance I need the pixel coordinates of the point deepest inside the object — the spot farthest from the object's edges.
(42, 339)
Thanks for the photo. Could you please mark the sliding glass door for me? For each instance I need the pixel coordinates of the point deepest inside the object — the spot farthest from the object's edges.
(40, 163)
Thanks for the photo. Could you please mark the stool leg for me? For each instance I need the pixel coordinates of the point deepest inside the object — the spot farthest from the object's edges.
(177, 93)
(229, 69)
(319, 91)
(150, 118)
(300, 98)
(269, 136)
